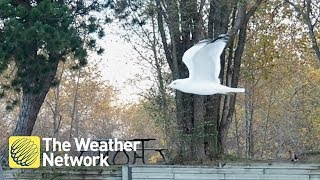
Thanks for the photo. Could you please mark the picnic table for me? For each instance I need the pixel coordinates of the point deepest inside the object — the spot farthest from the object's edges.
(143, 149)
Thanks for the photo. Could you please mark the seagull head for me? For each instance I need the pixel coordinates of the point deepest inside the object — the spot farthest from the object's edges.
(177, 84)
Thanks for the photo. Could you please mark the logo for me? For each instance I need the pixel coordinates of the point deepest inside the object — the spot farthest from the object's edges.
(24, 152)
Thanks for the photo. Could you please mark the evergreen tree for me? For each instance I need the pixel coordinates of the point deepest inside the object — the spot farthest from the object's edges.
(35, 36)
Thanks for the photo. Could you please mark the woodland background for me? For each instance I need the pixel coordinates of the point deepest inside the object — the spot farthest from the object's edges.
(273, 54)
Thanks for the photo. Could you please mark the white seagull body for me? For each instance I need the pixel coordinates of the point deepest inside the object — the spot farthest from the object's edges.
(203, 63)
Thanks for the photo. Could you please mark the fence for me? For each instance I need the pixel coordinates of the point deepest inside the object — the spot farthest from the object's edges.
(278, 171)
(232, 172)
(63, 174)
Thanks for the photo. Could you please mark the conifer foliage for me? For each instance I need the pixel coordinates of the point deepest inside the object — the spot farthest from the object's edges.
(35, 36)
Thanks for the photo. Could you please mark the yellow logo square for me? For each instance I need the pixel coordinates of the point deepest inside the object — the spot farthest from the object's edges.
(24, 152)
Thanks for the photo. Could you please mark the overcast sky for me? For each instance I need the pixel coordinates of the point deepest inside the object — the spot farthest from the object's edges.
(118, 65)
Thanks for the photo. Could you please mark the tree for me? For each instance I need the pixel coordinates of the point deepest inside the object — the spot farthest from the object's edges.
(204, 120)
(36, 36)
(309, 11)
(277, 65)
(143, 24)
(97, 113)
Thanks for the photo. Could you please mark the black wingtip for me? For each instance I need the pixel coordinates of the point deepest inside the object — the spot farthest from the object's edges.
(225, 37)
(205, 41)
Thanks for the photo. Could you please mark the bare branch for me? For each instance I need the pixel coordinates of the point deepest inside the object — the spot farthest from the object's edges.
(239, 19)
(163, 34)
(243, 16)
(294, 6)
(307, 17)
(315, 45)
(253, 9)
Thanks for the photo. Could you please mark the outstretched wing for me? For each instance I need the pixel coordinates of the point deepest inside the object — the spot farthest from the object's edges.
(206, 62)
(189, 54)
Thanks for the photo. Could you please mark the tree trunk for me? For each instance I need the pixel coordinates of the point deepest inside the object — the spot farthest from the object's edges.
(161, 86)
(233, 72)
(239, 24)
(57, 118)
(184, 20)
(181, 40)
(228, 108)
(249, 103)
(198, 134)
(74, 111)
(267, 123)
(233, 68)
(32, 101)
(31, 104)
(248, 125)
(213, 105)
(237, 134)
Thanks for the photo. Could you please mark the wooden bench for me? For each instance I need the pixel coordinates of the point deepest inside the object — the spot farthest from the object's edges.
(104, 154)
(136, 156)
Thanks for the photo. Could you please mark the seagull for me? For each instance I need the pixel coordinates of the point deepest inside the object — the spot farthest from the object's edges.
(203, 63)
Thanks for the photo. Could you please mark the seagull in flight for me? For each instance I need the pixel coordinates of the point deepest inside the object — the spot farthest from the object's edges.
(203, 63)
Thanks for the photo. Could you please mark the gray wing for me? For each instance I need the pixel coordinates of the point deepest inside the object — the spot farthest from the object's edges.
(189, 54)
(206, 62)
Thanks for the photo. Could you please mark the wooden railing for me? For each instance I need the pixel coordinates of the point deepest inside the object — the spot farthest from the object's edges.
(252, 171)
(228, 172)
(63, 174)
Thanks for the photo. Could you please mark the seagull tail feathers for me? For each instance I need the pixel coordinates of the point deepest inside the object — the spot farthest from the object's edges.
(238, 90)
